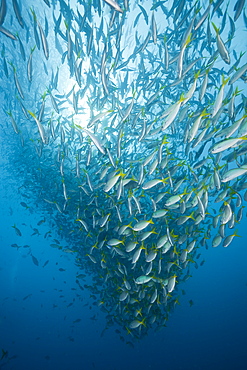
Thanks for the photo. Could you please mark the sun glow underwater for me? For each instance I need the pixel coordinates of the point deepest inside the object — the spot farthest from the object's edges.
(126, 122)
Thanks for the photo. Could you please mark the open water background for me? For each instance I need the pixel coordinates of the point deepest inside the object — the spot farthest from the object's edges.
(39, 332)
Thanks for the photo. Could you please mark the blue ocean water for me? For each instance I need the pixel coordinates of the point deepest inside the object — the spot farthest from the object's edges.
(50, 321)
(38, 332)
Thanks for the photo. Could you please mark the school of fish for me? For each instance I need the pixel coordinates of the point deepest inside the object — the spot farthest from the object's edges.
(127, 122)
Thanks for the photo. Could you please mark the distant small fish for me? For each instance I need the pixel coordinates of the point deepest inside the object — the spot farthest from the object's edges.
(191, 303)
(46, 262)
(56, 246)
(48, 233)
(76, 321)
(35, 261)
(41, 222)
(27, 296)
(17, 231)
(15, 246)
(23, 204)
(36, 232)
(4, 354)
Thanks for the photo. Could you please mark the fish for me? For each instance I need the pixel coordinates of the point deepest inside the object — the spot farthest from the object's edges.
(41, 222)
(3, 11)
(143, 279)
(140, 225)
(171, 283)
(47, 2)
(238, 7)
(22, 50)
(8, 33)
(221, 46)
(23, 204)
(18, 13)
(46, 262)
(40, 127)
(35, 261)
(233, 173)
(218, 102)
(226, 144)
(136, 323)
(30, 65)
(17, 231)
(44, 41)
(36, 232)
(95, 140)
(76, 321)
(15, 246)
(28, 296)
(4, 354)
(115, 5)
(13, 122)
(227, 241)
(238, 74)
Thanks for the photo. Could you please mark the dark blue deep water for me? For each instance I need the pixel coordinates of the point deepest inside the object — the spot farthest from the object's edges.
(50, 318)
(38, 335)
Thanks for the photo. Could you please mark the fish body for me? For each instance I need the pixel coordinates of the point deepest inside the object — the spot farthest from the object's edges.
(40, 127)
(233, 173)
(115, 5)
(221, 46)
(141, 225)
(143, 279)
(18, 13)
